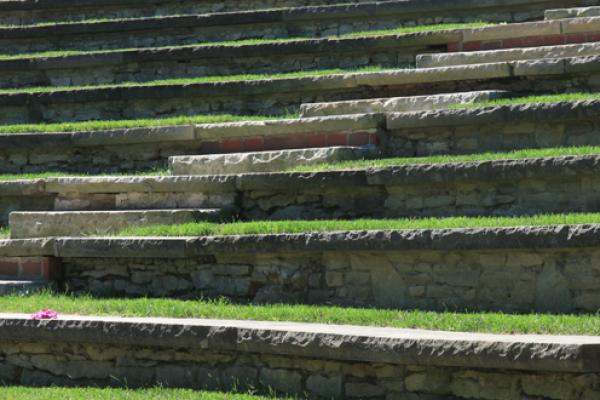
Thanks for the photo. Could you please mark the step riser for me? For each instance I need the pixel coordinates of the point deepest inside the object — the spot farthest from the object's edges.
(112, 156)
(116, 68)
(266, 161)
(310, 361)
(23, 288)
(398, 104)
(492, 188)
(30, 268)
(448, 59)
(572, 13)
(32, 225)
(282, 96)
(66, 12)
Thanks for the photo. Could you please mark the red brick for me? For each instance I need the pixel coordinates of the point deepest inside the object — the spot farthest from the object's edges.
(254, 144)
(510, 43)
(552, 40)
(358, 139)
(576, 38)
(51, 268)
(593, 37)
(9, 267)
(31, 268)
(491, 45)
(233, 146)
(374, 139)
(337, 139)
(471, 46)
(211, 147)
(454, 47)
(296, 141)
(316, 140)
(275, 142)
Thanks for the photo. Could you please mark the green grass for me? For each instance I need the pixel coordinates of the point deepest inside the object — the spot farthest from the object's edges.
(549, 98)
(4, 233)
(43, 175)
(245, 42)
(397, 161)
(55, 393)
(291, 227)
(221, 309)
(201, 79)
(87, 126)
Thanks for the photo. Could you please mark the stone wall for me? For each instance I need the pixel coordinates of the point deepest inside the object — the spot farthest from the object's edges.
(563, 281)
(64, 364)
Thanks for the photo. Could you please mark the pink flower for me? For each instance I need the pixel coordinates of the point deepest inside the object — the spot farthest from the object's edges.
(45, 314)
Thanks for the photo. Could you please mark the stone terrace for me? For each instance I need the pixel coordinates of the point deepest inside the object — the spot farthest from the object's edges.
(188, 124)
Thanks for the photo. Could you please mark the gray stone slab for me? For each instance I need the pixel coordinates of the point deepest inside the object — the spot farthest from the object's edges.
(398, 104)
(26, 248)
(266, 161)
(22, 287)
(575, 12)
(86, 223)
(529, 53)
(333, 342)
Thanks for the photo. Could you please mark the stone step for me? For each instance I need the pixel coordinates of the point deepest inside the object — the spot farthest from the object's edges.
(280, 96)
(280, 357)
(492, 56)
(543, 269)
(140, 149)
(10, 287)
(26, 12)
(266, 161)
(575, 12)
(398, 104)
(86, 223)
(486, 188)
(320, 21)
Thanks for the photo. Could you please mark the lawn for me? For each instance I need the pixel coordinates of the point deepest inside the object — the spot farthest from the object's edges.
(301, 226)
(19, 393)
(246, 42)
(43, 175)
(221, 309)
(398, 161)
(548, 98)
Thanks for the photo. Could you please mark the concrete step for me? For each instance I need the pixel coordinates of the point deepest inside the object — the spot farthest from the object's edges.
(398, 104)
(266, 161)
(13, 287)
(493, 56)
(574, 12)
(312, 361)
(86, 223)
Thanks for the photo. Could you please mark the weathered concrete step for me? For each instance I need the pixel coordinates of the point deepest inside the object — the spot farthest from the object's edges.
(24, 12)
(509, 269)
(87, 223)
(318, 21)
(492, 56)
(266, 161)
(499, 187)
(281, 357)
(398, 104)
(575, 12)
(279, 96)
(10, 287)
(141, 149)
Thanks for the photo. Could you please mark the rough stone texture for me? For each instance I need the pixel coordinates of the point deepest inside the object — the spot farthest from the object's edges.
(397, 104)
(142, 149)
(85, 223)
(490, 56)
(576, 12)
(299, 359)
(11, 288)
(493, 129)
(265, 161)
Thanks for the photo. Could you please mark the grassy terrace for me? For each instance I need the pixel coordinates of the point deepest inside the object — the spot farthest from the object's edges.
(18, 393)
(43, 175)
(549, 98)
(397, 161)
(244, 42)
(221, 309)
(291, 227)
(202, 79)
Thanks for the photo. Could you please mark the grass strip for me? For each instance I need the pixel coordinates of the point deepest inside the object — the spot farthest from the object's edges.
(4, 232)
(300, 226)
(398, 161)
(222, 309)
(56, 393)
(548, 98)
(43, 175)
(88, 126)
(245, 42)
(202, 79)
